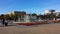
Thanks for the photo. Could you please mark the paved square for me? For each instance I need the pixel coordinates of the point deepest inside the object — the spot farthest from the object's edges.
(37, 29)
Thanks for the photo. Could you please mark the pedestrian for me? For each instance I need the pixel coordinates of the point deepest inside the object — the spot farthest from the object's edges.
(3, 22)
(6, 22)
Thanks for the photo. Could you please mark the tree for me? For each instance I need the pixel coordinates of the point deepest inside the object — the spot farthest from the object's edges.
(2, 16)
(11, 17)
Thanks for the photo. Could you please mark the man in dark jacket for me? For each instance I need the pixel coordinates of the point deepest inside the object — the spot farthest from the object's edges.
(3, 22)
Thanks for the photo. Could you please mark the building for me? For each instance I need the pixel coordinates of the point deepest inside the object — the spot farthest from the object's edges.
(18, 15)
(6, 16)
(58, 14)
(47, 12)
(21, 16)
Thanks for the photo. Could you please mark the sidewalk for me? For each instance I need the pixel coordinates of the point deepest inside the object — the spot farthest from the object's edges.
(41, 29)
(9, 24)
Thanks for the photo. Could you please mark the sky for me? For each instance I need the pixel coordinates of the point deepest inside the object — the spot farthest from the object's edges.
(29, 6)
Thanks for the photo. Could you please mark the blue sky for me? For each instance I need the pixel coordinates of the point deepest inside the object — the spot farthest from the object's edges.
(29, 6)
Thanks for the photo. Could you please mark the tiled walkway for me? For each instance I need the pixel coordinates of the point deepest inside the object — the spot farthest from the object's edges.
(37, 29)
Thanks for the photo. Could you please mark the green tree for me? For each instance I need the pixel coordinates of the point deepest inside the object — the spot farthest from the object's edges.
(11, 17)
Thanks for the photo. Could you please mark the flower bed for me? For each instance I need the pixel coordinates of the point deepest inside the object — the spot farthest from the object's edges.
(32, 23)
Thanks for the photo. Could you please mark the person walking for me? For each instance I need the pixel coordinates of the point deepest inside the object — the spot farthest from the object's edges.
(6, 22)
(3, 22)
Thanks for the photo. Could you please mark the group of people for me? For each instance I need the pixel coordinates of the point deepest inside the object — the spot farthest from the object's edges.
(4, 22)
